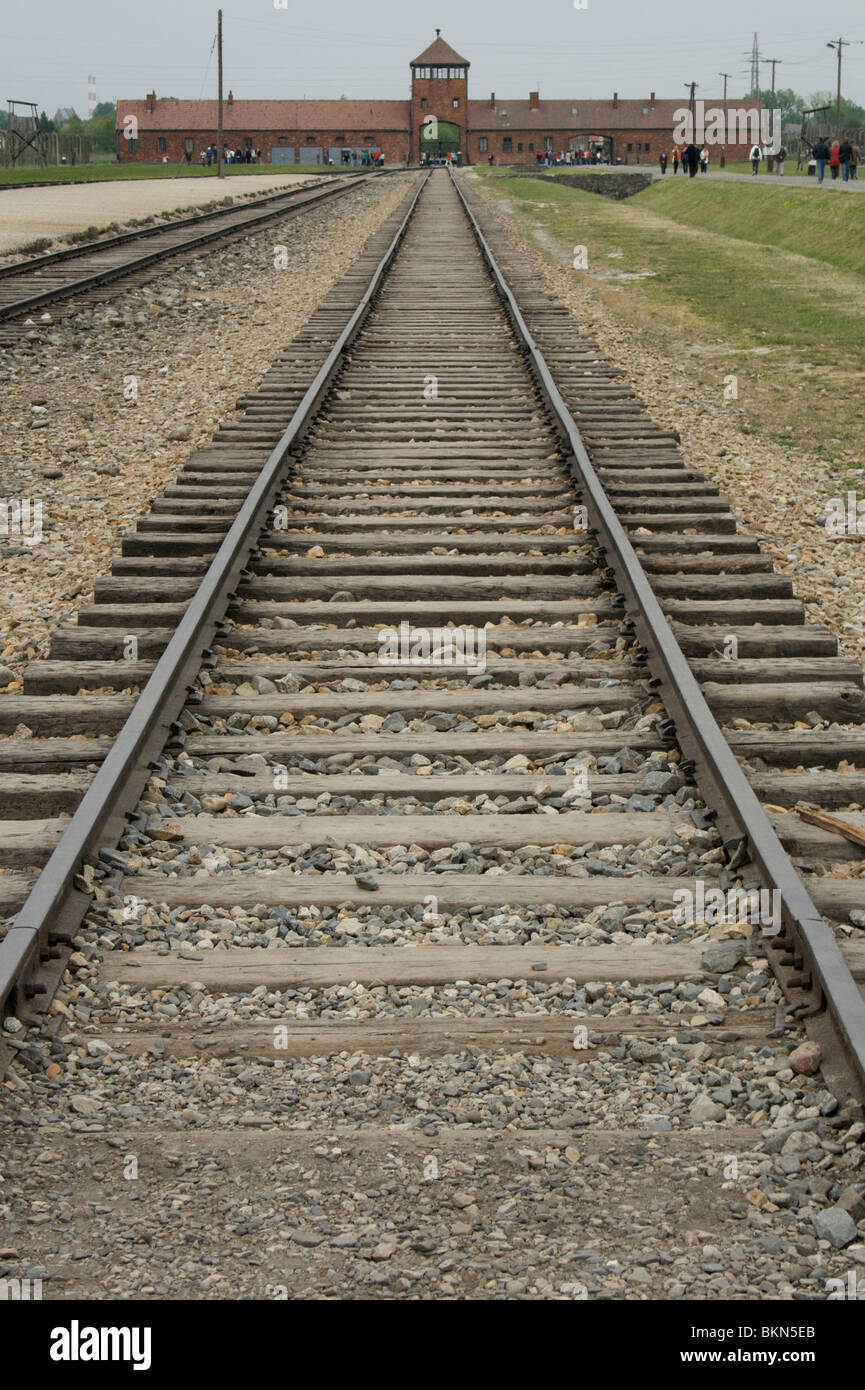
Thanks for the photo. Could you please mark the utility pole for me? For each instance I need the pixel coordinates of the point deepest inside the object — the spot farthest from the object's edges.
(693, 88)
(770, 159)
(840, 44)
(219, 172)
(723, 162)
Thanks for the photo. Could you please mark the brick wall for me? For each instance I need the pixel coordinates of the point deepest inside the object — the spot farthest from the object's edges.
(393, 143)
(525, 146)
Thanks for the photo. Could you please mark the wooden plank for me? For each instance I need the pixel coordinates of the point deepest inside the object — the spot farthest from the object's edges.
(833, 897)
(56, 677)
(315, 967)
(24, 844)
(544, 1034)
(417, 703)
(430, 832)
(450, 890)
(295, 967)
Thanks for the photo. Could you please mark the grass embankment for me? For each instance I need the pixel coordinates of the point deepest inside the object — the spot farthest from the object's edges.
(763, 281)
(86, 173)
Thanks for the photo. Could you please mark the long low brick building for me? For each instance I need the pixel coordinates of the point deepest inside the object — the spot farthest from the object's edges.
(438, 117)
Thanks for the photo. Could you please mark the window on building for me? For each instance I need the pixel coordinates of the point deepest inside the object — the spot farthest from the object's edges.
(247, 143)
(189, 144)
(648, 149)
(310, 139)
(639, 147)
(132, 146)
(575, 110)
(507, 144)
(645, 110)
(630, 149)
(161, 145)
(483, 144)
(504, 111)
(548, 143)
(519, 148)
(531, 147)
(456, 102)
(423, 103)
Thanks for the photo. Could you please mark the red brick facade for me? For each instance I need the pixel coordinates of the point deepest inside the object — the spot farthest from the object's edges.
(634, 130)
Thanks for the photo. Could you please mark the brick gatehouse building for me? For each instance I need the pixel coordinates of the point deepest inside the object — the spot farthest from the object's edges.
(437, 117)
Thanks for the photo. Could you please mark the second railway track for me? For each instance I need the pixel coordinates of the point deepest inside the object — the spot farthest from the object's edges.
(433, 909)
(91, 271)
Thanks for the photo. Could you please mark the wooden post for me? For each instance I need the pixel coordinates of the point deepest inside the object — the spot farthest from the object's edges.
(219, 170)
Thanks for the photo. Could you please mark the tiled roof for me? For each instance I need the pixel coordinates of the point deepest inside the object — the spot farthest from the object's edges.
(280, 116)
(600, 116)
(440, 52)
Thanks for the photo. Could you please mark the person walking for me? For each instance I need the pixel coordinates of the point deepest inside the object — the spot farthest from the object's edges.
(820, 155)
(845, 154)
(704, 160)
(675, 159)
(755, 156)
(663, 162)
(835, 158)
(854, 159)
(779, 161)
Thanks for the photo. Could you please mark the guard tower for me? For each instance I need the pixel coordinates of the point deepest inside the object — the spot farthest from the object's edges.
(24, 133)
(439, 102)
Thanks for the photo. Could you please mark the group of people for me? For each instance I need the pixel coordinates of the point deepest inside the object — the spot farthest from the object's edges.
(841, 156)
(211, 156)
(758, 153)
(690, 158)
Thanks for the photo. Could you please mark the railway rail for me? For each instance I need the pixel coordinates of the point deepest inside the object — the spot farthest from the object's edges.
(93, 268)
(248, 739)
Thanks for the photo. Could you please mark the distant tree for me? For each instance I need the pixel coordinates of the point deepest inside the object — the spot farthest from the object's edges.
(100, 132)
(788, 102)
(104, 108)
(851, 113)
(45, 123)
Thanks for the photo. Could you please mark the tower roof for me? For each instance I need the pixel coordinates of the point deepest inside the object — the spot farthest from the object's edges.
(440, 53)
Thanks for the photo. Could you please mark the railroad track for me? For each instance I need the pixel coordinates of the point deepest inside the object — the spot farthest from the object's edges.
(90, 271)
(273, 827)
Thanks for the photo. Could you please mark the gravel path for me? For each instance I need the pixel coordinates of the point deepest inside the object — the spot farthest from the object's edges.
(194, 341)
(56, 211)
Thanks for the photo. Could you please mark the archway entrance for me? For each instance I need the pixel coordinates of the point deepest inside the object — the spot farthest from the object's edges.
(438, 138)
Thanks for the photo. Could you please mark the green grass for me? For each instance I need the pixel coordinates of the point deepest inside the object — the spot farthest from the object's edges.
(729, 267)
(86, 173)
(794, 219)
(715, 253)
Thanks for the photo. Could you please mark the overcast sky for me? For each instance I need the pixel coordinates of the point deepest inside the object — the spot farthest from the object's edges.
(338, 48)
